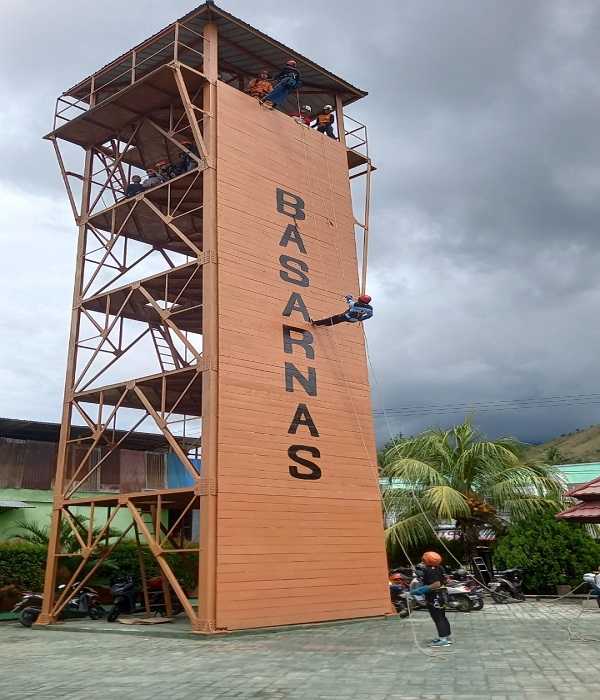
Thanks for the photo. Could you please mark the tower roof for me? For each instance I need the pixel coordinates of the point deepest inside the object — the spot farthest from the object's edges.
(243, 51)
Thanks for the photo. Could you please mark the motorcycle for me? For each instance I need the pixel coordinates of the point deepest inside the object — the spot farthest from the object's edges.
(507, 585)
(399, 599)
(129, 599)
(457, 597)
(84, 604)
(461, 579)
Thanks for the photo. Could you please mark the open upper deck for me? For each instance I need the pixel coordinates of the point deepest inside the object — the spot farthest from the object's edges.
(242, 52)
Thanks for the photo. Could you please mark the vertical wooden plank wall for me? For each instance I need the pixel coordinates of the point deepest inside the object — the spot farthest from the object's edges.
(290, 550)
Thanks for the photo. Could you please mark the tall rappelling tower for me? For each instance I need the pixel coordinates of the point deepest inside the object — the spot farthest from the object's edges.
(191, 321)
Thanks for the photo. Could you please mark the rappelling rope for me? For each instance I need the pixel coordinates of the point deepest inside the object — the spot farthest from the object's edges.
(432, 656)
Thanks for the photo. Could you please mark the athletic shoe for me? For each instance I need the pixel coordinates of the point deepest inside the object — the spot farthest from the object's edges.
(449, 639)
(439, 643)
(312, 321)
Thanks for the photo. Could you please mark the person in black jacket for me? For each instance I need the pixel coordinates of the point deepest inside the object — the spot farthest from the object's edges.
(434, 589)
(359, 310)
(289, 79)
(134, 187)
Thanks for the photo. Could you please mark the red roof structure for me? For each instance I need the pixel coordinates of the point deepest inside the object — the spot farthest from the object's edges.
(588, 511)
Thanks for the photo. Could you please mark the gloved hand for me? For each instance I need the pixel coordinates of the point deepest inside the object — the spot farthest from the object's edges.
(420, 591)
(348, 297)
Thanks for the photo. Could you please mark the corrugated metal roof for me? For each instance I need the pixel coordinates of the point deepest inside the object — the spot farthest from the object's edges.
(15, 504)
(579, 473)
(17, 429)
(241, 47)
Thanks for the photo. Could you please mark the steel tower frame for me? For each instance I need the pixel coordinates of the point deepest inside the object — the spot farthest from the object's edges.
(148, 103)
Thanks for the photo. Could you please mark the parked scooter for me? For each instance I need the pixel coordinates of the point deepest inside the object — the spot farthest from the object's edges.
(457, 598)
(84, 604)
(129, 598)
(462, 580)
(398, 589)
(507, 585)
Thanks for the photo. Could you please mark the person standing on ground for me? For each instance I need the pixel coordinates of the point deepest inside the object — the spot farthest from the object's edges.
(434, 589)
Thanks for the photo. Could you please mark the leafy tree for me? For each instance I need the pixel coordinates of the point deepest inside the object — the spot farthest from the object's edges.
(459, 475)
(555, 456)
(40, 535)
(551, 552)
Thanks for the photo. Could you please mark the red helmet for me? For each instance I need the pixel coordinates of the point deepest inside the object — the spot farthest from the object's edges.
(291, 63)
(396, 577)
(365, 298)
(263, 71)
(162, 164)
(432, 558)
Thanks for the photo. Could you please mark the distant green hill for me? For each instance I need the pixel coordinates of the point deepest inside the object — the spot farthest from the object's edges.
(577, 447)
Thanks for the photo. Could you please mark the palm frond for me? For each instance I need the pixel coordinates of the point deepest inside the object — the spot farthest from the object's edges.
(411, 531)
(445, 502)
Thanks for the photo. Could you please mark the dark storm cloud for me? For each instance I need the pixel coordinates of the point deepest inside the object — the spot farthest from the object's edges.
(482, 123)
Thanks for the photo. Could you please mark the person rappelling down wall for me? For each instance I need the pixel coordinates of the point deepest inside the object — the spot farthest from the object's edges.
(359, 310)
(289, 79)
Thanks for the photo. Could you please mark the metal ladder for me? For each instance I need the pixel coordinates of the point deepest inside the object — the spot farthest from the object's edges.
(481, 571)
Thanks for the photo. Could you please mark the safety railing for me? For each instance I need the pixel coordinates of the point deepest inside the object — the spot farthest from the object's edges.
(135, 66)
(356, 136)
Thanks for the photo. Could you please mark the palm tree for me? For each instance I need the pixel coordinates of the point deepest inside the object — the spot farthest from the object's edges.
(40, 534)
(459, 475)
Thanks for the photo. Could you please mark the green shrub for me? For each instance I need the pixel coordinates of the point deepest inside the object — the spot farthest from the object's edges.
(123, 562)
(551, 552)
(22, 566)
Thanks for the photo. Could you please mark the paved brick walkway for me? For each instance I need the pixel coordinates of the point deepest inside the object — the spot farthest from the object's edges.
(514, 652)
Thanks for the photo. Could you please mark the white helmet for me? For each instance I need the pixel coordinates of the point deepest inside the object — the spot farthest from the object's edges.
(329, 107)
(306, 108)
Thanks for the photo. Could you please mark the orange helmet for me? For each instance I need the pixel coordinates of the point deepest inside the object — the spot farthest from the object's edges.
(396, 577)
(432, 558)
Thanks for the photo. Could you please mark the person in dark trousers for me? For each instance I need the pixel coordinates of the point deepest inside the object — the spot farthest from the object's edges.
(289, 79)
(134, 187)
(359, 310)
(324, 121)
(434, 589)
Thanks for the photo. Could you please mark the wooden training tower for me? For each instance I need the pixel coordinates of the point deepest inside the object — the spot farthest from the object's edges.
(191, 320)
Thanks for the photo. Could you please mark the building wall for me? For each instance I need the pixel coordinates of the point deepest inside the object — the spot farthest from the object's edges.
(299, 521)
(27, 469)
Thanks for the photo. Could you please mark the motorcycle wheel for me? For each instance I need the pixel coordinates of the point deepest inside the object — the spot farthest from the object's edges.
(28, 616)
(501, 595)
(401, 608)
(96, 612)
(114, 612)
(463, 603)
(477, 604)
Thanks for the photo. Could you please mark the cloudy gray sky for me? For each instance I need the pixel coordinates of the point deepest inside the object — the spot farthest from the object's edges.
(485, 229)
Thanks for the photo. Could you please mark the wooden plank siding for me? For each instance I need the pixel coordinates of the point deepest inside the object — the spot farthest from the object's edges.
(290, 550)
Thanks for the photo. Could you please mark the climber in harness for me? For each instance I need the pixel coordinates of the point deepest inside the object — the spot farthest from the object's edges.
(289, 79)
(359, 310)
(324, 121)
